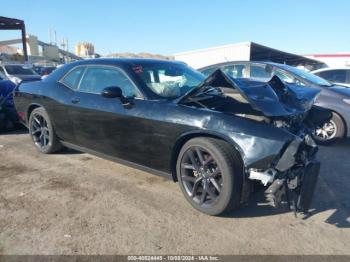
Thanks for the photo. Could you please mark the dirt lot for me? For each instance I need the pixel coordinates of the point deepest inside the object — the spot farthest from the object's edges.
(74, 203)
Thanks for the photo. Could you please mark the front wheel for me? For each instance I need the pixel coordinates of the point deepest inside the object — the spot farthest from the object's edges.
(330, 131)
(42, 132)
(209, 172)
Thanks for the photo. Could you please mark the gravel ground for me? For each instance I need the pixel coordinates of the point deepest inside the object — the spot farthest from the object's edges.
(75, 203)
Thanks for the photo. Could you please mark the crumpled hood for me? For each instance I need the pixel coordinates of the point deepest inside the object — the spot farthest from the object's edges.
(273, 98)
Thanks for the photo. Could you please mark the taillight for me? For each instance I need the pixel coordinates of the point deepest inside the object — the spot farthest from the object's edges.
(21, 115)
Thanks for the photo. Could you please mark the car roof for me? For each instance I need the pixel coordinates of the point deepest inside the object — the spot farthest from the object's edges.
(11, 64)
(4, 65)
(331, 68)
(123, 61)
(241, 62)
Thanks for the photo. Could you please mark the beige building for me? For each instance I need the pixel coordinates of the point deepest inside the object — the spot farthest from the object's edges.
(84, 49)
(32, 45)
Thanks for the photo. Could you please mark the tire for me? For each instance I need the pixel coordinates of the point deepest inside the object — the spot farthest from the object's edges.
(42, 132)
(336, 131)
(225, 168)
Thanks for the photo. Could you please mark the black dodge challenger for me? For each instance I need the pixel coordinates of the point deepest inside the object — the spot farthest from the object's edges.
(214, 135)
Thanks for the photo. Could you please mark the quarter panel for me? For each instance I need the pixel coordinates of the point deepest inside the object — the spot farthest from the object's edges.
(54, 98)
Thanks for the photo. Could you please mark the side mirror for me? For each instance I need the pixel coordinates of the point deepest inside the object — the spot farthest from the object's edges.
(116, 92)
(112, 92)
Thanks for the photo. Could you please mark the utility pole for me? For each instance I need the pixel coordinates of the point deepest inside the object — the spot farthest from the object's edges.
(63, 44)
(50, 38)
(24, 41)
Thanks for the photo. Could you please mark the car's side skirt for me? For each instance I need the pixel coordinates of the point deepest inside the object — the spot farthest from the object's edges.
(119, 160)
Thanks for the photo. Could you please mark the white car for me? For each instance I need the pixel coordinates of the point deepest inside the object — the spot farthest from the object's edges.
(18, 73)
(339, 76)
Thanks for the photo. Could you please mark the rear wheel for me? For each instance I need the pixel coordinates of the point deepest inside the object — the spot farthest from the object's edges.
(42, 132)
(330, 131)
(209, 172)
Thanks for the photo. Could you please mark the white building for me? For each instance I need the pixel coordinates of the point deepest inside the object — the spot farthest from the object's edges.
(246, 51)
(204, 57)
(332, 60)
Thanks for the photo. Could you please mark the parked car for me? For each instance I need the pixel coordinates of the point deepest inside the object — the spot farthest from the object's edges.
(8, 115)
(44, 70)
(166, 118)
(338, 76)
(333, 97)
(18, 73)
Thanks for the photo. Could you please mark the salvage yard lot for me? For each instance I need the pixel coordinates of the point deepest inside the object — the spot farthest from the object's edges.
(75, 203)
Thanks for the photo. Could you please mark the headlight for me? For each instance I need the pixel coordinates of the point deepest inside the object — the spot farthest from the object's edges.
(347, 101)
(15, 79)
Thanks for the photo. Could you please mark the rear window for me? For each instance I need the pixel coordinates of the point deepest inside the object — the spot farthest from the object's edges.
(73, 77)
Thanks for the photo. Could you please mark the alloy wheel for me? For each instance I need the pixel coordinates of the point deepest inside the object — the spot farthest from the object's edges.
(201, 176)
(40, 131)
(327, 131)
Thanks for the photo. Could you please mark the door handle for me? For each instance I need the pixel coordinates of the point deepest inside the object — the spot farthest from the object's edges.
(75, 100)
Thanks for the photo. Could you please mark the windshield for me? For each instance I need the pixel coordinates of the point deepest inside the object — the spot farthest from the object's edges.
(306, 76)
(18, 70)
(168, 80)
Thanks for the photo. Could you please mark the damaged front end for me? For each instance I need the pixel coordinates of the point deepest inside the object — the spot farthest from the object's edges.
(292, 177)
(278, 151)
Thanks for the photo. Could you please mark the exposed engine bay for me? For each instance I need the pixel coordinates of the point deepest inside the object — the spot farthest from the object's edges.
(292, 176)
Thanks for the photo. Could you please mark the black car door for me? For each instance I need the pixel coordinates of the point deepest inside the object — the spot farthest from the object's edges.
(105, 125)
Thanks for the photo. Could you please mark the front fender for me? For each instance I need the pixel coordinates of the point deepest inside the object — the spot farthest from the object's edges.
(259, 143)
(258, 152)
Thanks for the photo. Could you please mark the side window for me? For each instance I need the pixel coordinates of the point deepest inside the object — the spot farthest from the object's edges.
(259, 72)
(96, 79)
(236, 71)
(208, 71)
(337, 76)
(284, 76)
(72, 78)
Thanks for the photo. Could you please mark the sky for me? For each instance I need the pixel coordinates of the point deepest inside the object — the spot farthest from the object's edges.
(168, 27)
